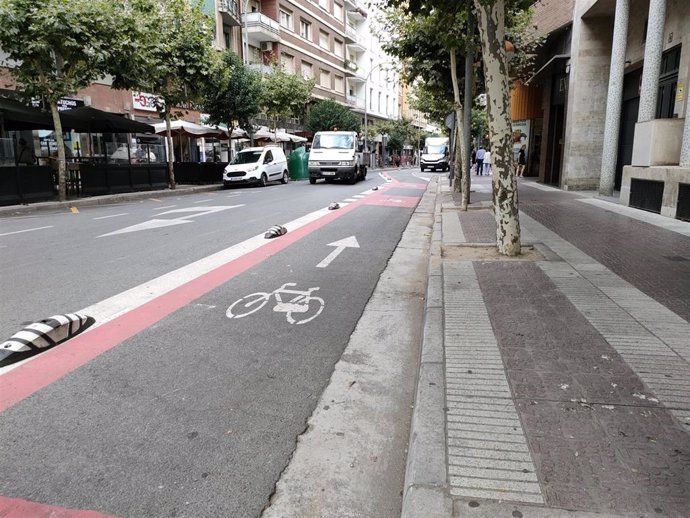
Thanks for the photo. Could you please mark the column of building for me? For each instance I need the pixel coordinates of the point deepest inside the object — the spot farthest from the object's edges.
(614, 98)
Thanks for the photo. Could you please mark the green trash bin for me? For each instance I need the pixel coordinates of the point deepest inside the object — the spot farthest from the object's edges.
(298, 164)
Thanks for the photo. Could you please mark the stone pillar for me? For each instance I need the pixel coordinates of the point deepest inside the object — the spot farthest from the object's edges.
(614, 99)
(685, 143)
(653, 49)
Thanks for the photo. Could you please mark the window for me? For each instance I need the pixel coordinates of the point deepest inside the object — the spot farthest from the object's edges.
(286, 19)
(268, 158)
(338, 48)
(339, 84)
(371, 98)
(324, 40)
(323, 4)
(305, 30)
(379, 105)
(288, 63)
(338, 11)
(307, 70)
(325, 79)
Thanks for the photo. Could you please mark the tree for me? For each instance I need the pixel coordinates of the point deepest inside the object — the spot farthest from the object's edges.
(55, 48)
(232, 93)
(176, 62)
(285, 95)
(328, 115)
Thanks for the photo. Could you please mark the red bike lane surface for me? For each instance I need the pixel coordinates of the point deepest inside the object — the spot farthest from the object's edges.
(43, 370)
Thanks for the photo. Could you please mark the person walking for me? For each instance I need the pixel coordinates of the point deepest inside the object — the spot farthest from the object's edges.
(522, 162)
(487, 162)
(481, 153)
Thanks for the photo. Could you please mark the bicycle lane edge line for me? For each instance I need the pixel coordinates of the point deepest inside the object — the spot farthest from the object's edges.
(50, 366)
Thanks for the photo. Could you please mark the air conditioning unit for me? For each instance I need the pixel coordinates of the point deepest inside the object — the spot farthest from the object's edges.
(266, 46)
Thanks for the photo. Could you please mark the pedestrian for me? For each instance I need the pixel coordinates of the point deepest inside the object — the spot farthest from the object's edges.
(522, 162)
(487, 162)
(25, 154)
(481, 153)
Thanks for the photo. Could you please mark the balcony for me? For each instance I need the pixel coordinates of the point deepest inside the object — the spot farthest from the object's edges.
(355, 102)
(352, 40)
(357, 15)
(355, 5)
(230, 10)
(261, 68)
(261, 28)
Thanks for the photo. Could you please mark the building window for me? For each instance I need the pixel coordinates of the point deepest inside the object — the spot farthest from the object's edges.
(324, 40)
(379, 104)
(338, 11)
(339, 84)
(323, 4)
(325, 79)
(286, 19)
(371, 98)
(305, 30)
(307, 70)
(338, 48)
(288, 63)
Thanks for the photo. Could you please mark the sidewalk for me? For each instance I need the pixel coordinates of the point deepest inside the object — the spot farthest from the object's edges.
(556, 383)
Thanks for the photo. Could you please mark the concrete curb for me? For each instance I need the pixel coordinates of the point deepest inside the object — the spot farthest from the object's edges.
(425, 489)
(17, 210)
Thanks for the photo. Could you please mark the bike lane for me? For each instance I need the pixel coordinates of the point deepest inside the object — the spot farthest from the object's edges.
(178, 409)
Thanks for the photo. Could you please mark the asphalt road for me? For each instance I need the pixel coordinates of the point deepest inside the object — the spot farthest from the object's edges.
(171, 405)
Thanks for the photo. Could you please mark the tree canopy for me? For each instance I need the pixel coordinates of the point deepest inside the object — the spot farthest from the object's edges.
(232, 92)
(285, 95)
(328, 115)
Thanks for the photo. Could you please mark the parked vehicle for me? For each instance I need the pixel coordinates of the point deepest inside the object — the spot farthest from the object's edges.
(256, 165)
(435, 154)
(335, 155)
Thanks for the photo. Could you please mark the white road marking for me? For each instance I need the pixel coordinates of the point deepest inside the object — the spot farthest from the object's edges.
(359, 196)
(190, 212)
(425, 178)
(27, 230)
(166, 207)
(350, 199)
(112, 216)
(348, 242)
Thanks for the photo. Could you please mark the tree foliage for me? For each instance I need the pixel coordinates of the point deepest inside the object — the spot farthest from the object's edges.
(285, 95)
(232, 92)
(328, 115)
(56, 48)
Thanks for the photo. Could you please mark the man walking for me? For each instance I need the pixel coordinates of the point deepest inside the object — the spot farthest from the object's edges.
(481, 153)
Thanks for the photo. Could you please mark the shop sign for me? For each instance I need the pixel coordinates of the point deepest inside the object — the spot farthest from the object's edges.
(145, 101)
(520, 137)
(63, 104)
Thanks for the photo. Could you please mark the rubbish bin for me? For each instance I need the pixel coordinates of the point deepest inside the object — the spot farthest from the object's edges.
(298, 164)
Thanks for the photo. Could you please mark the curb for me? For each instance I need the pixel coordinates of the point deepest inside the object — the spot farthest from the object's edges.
(14, 210)
(426, 489)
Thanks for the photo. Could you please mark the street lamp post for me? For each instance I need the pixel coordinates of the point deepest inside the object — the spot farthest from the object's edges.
(366, 107)
(245, 43)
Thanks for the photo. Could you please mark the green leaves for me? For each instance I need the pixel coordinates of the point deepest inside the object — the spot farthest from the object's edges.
(285, 95)
(327, 115)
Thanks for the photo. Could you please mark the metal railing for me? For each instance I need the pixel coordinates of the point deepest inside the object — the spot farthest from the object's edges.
(261, 21)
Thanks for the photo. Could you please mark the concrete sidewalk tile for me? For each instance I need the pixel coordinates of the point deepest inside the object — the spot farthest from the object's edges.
(429, 502)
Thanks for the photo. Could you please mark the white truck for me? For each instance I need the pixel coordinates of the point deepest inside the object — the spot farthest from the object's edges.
(334, 155)
(435, 154)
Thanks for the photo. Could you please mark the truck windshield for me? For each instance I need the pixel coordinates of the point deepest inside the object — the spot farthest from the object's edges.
(333, 142)
(436, 150)
(247, 157)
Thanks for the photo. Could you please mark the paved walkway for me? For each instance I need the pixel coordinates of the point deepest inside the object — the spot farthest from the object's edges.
(557, 383)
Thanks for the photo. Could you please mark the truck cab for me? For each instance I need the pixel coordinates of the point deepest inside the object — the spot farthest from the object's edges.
(435, 154)
(335, 155)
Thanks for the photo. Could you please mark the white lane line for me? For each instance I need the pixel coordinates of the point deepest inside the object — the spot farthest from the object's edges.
(166, 207)
(27, 230)
(112, 216)
(359, 196)
(202, 201)
(350, 199)
(425, 178)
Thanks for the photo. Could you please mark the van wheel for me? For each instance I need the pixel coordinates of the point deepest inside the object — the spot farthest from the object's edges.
(422, 169)
(263, 181)
(284, 179)
(312, 180)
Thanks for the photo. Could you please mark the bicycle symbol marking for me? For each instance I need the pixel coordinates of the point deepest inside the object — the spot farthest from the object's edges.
(299, 307)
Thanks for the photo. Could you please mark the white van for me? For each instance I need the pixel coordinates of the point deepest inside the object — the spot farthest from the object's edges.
(256, 165)
(334, 156)
(435, 155)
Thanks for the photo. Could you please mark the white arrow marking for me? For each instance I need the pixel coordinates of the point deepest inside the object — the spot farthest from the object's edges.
(189, 212)
(348, 242)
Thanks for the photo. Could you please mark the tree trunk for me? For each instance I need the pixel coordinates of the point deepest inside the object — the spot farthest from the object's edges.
(62, 190)
(467, 123)
(460, 151)
(491, 18)
(171, 151)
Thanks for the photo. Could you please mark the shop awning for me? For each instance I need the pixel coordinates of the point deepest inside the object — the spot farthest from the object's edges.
(558, 58)
(93, 120)
(191, 129)
(17, 116)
